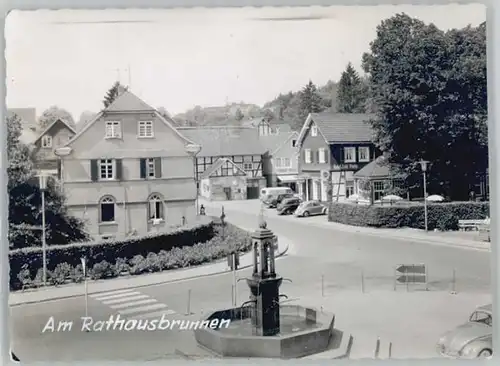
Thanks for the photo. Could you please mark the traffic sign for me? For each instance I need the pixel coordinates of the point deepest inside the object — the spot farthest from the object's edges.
(411, 268)
(406, 274)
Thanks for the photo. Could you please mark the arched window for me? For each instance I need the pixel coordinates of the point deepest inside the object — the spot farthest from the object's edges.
(107, 209)
(155, 208)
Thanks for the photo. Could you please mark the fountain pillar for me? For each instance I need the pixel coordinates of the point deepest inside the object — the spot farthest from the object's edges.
(264, 283)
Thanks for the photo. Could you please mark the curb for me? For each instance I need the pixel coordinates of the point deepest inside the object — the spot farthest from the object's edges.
(342, 352)
(156, 283)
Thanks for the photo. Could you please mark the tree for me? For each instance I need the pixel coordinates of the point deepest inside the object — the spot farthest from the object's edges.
(429, 87)
(163, 112)
(113, 93)
(85, 117)
(351, 92)
(54, 113)
(20, 162)
(310, 101)
(25, 199)
(239, 115)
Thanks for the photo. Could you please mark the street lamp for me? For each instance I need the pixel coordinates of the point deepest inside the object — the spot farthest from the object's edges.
(193, 150)
(43, 186)
(423, 166)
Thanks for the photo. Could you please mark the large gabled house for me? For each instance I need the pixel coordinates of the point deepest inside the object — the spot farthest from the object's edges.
(335, 145)
(128, 171)
(239, 145)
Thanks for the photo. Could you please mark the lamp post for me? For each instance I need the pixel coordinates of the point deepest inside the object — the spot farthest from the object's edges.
(423, 166)
(193, 150)
(43, 186)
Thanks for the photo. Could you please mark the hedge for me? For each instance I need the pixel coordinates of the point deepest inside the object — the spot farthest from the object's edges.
(31, 257)
(441, 216)
(233, 239)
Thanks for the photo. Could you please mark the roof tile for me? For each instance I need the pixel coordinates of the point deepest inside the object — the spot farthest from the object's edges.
(344, 127)
(224, 141)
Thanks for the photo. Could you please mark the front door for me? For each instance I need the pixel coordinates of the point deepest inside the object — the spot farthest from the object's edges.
(227, 191)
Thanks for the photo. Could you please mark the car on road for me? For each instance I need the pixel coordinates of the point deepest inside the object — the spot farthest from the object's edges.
(310, 208)
(274, 201)
(288, 206)
(472, 339)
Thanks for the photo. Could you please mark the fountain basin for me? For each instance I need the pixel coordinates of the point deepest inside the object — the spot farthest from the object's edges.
(303, 332)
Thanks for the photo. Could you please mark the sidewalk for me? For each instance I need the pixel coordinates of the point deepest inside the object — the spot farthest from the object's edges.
(465, 240)
(72, 290)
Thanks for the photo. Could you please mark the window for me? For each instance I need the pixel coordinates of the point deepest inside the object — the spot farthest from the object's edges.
(151, 168)
(349, 188)
(47, 141)
(349, 154)
(314, 131)
(378, 190)
(294, 142)
(106, 169)
(113, 130)
(277, 162)
(247, 166)
(145, 129)
(307, 156)
(481, 317)
(155, 207)
(322, 155)
(107, 210)
(285, 162)
(364, 154)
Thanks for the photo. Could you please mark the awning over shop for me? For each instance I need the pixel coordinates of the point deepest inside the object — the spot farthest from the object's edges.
(288, 178)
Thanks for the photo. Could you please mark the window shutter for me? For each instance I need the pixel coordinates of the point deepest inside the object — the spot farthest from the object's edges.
(305, 156)
(59, 170)
(142, 168)
(93, 170)
(119, 169)
(157, 167)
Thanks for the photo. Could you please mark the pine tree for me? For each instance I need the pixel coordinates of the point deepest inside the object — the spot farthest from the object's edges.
(112, 94)
(310, 101)
(351, 93)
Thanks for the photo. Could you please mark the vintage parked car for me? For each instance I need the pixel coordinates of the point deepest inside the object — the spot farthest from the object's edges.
(472, 339)
(310, 208)
(273, 201)
(288, 206)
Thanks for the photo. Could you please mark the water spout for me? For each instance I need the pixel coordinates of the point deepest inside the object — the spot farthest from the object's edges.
(283, 295)
(243, 305)
(287, 280)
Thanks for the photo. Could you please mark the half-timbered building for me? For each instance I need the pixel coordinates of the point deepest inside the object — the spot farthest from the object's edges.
(240, 145)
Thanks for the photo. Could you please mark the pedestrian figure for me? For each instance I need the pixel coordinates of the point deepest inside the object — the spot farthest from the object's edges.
(202, 210)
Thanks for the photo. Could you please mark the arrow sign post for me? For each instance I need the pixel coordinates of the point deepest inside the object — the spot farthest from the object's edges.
(84, 270)
(406, 274)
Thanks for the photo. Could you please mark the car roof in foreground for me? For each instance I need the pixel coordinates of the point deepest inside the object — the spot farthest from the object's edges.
(488, 308)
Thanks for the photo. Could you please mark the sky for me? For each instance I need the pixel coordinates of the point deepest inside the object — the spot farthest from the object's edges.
(180, 58)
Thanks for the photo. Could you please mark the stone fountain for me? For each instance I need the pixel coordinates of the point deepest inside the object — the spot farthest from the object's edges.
(262, 326)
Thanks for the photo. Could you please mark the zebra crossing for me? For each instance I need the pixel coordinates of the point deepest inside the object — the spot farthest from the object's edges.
(133, 304)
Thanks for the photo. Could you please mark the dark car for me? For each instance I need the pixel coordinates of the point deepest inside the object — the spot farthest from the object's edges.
(275, 201)
(288, 206)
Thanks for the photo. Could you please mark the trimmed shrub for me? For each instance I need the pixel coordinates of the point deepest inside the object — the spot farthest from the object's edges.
(441, 216)
(107, 251)
(223, 242)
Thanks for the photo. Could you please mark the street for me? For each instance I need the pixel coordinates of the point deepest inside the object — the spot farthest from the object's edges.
(347, 273)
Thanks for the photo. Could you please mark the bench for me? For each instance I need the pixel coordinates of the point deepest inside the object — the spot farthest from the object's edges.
(464, 225)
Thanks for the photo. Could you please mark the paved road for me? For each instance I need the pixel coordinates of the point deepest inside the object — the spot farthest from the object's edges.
(321, 261)
(342, 256)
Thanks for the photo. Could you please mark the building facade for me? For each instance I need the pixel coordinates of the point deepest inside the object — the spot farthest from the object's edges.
(238, 144)
(55, 135)
(224, 181)
(333, 145)
(281, 162)
(129, 171)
